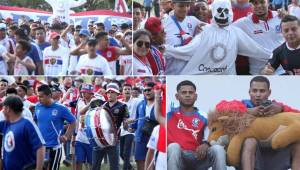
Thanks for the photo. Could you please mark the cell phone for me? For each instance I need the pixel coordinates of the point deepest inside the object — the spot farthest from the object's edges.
(266, 103)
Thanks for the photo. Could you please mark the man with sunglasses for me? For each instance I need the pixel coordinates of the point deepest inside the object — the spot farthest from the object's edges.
(120, 115)
(180, 30)
(145, 110)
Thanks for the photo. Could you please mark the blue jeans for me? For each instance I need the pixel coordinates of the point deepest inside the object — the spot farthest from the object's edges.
(179, 159)
(125, 150)
(113, 156)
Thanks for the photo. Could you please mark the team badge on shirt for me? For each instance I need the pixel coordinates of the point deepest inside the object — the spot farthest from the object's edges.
(278, 29)
(9, 142)
(195, 122)
(108, 54)
(54, 112)
(90, 71)
(189, 25)
(52, 61)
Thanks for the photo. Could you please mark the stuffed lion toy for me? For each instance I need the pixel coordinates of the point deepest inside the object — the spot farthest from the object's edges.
(231, 118)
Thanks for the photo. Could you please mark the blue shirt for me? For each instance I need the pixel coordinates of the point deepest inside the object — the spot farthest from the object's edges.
(44, 45)
(50, 121)
(140, 113)
(35, 53)
(20, 142)
(113, 42)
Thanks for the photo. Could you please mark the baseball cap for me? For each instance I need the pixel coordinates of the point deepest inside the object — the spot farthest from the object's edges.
(153, 24)
(112, 87)
(124, 26)
(87, 88)
(54, 35)
(2, 26)
(55, 88)
(8, 20)
(91, 23)
(84, 32)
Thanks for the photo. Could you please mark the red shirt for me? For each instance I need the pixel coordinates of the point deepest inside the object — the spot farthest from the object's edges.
(110, 54)
(33, 99)
(239, 12)
(71, 97)
(186, 129)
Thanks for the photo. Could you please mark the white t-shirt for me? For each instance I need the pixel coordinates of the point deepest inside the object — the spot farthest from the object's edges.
(27, 103)
(26, 114)
(294, 10)
(126, 62)
(267, 34)
(173, 38)
(95, 66)
(148, 109)
(56, 62)
(132, 106)
(21, 69)
(7, 43)
(3, 66)
(161, 160)
(140, 68)
(81, 135)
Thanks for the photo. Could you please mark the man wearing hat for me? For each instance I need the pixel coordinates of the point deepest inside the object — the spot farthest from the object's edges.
(83, 149)
(120, 115)
(56, 57)
(4, 40)
(56, 93)
(180, 30)
(79, 50)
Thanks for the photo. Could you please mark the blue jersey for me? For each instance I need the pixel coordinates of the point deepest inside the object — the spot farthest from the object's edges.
(35, 53)
(21, 140)
(44, 45)
(50, 120)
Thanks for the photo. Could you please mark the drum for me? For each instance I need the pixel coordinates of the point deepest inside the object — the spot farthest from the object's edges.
(100, 128)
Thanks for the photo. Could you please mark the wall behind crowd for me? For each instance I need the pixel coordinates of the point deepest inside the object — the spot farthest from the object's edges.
(213, 89)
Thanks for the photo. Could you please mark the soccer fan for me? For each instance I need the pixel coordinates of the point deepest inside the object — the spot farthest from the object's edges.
(287, 54)
(24, 65)
(55, 57)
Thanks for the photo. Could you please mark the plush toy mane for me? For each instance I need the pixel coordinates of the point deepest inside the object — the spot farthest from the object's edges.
(237, 118)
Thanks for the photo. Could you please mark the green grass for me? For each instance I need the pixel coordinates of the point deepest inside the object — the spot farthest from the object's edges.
(103, 166)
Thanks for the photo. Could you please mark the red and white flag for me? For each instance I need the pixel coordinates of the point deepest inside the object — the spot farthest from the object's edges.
(121, 6)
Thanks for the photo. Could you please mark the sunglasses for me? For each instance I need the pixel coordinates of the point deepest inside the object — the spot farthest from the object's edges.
(140, 44)
(147, 90)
